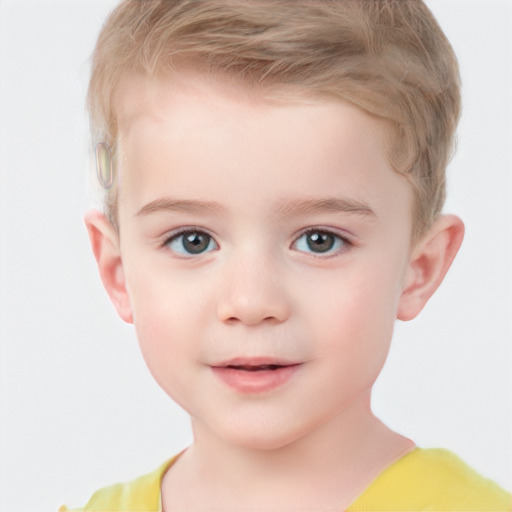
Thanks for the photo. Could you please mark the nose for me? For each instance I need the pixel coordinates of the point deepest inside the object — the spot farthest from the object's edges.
(252, 292)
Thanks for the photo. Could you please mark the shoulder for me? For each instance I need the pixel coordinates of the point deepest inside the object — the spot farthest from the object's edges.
(437, 479)
(139, 495)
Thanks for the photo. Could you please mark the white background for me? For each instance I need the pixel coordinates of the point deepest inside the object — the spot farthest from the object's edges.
(78, 408)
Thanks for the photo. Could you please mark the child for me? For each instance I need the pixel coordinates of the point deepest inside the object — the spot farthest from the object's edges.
(274, 175)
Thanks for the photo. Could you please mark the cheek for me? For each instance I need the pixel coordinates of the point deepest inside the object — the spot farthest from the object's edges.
(165, 343)
(165, 322)
(161, 299)
(355, 318)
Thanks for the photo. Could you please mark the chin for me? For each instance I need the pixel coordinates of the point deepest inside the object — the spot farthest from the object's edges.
(261, 443)
(262, 435)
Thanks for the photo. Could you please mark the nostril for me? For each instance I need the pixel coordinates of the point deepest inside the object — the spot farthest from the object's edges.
(240, 306)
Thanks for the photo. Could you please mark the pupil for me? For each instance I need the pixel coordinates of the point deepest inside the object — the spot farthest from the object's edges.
(320, 242)
(196, 243)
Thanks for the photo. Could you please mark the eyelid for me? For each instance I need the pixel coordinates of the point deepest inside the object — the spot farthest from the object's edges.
(171, 235)
(348, 240)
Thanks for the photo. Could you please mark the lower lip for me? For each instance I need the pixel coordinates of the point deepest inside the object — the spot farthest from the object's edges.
(262, 381)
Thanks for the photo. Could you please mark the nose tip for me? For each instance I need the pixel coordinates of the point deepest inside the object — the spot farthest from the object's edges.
(253, 296)
(249, 312)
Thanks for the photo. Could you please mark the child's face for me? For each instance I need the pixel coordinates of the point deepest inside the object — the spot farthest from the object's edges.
(295, 252)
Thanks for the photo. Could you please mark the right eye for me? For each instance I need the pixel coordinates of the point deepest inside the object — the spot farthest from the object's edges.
(191, 242)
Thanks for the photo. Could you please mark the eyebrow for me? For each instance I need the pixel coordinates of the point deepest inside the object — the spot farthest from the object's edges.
(326, 205)
(180, 205)
(285, 208)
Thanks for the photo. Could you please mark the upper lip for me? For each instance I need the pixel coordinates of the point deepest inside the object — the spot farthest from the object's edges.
(254, 361)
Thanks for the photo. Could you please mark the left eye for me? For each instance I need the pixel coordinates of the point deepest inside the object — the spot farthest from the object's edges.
(191, 243)
(320, 242)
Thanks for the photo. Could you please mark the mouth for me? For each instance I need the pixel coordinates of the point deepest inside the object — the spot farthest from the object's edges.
(257, 368)
(255, 364)
(255, 375)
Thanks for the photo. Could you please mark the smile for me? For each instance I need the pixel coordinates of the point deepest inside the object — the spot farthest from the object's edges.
(255, 376)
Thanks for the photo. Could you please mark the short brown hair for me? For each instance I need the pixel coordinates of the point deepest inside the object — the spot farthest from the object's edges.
(388, 57)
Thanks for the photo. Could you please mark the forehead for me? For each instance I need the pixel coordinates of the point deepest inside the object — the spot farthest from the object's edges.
(212, 131)
(190, 101)
(142, 96)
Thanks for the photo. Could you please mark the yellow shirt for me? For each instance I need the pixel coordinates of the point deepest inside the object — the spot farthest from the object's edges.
(424, 479)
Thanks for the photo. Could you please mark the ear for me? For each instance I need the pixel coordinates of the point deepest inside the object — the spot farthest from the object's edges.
(430, 260)
(105, 246)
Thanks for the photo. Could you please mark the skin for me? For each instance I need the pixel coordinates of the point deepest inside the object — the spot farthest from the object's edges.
(265, 171)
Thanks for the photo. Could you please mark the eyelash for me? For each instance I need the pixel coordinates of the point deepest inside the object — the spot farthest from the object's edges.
(183, 233)
(343, 241)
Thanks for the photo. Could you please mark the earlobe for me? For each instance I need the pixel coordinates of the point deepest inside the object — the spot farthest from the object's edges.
(105, 246)
(429, 263)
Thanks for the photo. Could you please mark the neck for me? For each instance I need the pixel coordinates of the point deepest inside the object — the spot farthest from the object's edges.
(345, 453)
